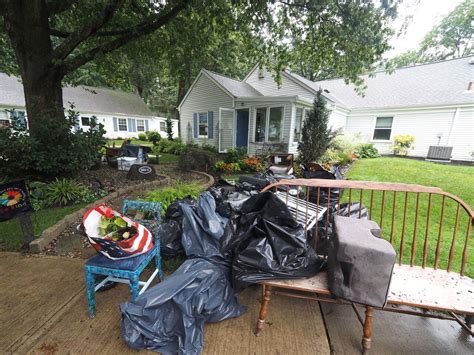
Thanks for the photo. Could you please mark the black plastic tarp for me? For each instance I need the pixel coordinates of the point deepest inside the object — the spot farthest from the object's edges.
(169, 318)
(203, 229)
(229, 202)
(270, 244)
(171, 230)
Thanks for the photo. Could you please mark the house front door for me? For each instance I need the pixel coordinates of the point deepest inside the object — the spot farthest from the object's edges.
(242, 129)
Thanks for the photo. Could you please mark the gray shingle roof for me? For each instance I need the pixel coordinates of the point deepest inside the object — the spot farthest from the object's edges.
(236, 87)
(85, 98)
(428, 84)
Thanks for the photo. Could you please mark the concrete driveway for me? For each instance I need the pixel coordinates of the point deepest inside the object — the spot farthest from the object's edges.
(44, 310)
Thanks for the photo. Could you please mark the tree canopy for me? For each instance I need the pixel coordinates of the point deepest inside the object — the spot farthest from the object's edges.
(156, 48)
(452, 38)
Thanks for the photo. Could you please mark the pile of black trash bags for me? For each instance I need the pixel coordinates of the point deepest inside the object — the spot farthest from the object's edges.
(231, 237)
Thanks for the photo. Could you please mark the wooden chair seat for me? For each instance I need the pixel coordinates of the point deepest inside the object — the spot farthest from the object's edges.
(411, 286)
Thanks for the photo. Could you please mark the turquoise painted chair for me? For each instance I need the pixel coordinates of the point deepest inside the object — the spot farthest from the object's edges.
(126, 270)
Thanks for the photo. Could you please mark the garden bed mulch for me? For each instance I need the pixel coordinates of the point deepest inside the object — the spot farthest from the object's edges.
(72, 243)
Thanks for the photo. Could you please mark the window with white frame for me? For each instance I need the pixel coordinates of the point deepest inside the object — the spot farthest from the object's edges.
(85, 121)
(122, 124)
(203, 125)
(268, 124)
(275, 124)
(298, 124)
(383, 128)
(140, 125)
(162, 126)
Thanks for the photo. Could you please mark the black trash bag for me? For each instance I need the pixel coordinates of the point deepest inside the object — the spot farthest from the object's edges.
(169, 318)
(270, 244)
(202, 230)
(170, 233)
(354, 211)
(316, 171)
(228, 202)
(170, 230)
(174, 211)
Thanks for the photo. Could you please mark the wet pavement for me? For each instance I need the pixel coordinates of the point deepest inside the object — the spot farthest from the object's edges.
(44, 310)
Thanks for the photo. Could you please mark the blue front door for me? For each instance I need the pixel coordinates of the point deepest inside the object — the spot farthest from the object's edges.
(242, 133)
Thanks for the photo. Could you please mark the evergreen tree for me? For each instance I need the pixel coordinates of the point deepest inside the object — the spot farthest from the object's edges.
(169, 128)
(316, 136)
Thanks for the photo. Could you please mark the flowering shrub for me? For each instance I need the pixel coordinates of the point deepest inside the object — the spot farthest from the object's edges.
(403, 143)
(227, 167)
(251, 164)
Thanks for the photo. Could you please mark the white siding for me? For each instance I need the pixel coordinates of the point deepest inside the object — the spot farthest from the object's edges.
(268, 87)
(337, 119)
(463, 135)
(154, 125)
(204, 96)
(106, 120)
(425, 125)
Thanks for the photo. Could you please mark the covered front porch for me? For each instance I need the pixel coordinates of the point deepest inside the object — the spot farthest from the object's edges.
(262, 124)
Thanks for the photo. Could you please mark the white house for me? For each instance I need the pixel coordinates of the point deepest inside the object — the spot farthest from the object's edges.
(123, 114)
(433, 102)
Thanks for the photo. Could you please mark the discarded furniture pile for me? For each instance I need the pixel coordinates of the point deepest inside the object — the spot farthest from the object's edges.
(438, 288)
(311, 238)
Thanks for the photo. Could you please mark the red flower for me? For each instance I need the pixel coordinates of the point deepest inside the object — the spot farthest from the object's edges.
(108, 213)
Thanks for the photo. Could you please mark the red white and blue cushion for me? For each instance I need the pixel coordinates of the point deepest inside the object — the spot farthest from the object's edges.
(137, 244)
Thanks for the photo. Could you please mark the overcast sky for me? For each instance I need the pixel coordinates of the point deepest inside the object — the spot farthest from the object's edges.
(426, 14)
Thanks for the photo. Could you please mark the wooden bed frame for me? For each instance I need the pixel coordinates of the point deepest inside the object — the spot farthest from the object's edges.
(423, 281)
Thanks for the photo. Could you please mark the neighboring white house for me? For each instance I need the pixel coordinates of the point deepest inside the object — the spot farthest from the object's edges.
(122, 114)
(433, 102)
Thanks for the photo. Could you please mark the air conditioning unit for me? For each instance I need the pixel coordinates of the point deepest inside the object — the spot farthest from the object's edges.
(439, 153)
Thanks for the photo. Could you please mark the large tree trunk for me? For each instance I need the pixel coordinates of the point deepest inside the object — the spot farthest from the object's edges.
(28, 29)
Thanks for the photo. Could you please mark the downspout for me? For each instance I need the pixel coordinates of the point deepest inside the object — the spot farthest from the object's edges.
(453, 126)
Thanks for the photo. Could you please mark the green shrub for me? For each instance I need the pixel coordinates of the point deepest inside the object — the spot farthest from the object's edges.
(316, 135)
(196, 159)
(37, 191)
(170, 147)
(62, 192)
(142, 136)
(168, 195)
(153, 137)
(55, 149)
(330, 157)
(209, 148)
(224, 167)
(235, 155)
(366, 150)
(403, 143)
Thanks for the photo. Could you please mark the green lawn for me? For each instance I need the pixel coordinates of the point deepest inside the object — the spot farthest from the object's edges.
(118, 142)
(10, 232)
(166, 158)
(458, 180)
